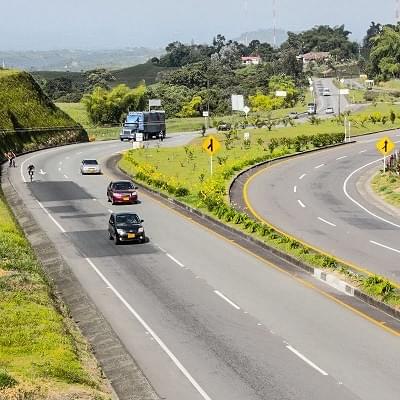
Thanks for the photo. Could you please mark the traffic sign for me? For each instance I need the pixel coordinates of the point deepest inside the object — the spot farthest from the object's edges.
(211, 145)
(385, 146)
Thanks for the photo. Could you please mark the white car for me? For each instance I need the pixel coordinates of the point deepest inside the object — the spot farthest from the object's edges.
(90, 167)
(329, 110)
(326, 92)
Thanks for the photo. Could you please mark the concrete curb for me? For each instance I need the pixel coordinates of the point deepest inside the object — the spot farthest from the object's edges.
(290, 263)
(126, 378)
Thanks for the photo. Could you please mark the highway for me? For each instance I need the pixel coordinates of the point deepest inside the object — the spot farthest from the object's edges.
(204, 318)
(324, 200)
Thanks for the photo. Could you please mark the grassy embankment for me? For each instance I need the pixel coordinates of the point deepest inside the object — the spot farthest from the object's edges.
(387, 186)
(23, 105)
(42, 355)
(184, 173)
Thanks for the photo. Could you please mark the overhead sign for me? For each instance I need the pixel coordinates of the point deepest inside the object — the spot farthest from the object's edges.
(281, 93)
(385, 146)
(154, 103)
(211, 145)
(237, 102)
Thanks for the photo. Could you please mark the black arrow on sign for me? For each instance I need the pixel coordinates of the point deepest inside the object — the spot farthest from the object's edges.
(211, 145)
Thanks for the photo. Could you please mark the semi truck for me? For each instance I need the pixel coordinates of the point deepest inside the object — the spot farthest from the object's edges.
(148, 124)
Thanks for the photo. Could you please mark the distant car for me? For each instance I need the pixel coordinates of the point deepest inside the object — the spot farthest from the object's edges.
(126, 227)
(90, 167)
(122, 192)
(293, 115)
(224, 127)
(329, 110)
(326, 92)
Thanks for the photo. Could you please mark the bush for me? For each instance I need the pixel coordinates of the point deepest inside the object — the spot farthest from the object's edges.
(6, 380)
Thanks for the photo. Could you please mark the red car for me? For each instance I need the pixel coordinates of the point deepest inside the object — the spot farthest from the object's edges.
(122, 192)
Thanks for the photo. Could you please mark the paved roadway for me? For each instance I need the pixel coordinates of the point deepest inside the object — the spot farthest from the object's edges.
(319, 202)
(323, 102)
(203, 318)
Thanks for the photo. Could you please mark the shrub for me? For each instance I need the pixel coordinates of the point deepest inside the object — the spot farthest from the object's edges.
(6, 380)
(181, 191)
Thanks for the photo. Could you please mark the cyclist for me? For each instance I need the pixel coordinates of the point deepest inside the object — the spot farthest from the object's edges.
(31, 171)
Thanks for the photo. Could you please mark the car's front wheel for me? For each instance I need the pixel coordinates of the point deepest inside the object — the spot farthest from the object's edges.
(116, 239)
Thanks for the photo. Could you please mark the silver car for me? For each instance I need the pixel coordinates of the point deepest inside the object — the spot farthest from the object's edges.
(90, 167)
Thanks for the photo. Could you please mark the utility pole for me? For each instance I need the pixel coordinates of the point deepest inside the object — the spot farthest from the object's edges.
(274, 20)
(397, 11)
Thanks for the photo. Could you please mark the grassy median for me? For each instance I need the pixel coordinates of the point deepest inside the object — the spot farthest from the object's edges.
(42, 354)
(387, 186)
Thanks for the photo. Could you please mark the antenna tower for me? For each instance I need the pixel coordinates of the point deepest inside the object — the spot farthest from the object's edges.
(274, 19)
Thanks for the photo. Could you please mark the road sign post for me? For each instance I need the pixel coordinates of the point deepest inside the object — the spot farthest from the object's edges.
(211, 145)
(385, 146)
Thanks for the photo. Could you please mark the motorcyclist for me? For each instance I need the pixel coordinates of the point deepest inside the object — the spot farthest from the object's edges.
(31, 170)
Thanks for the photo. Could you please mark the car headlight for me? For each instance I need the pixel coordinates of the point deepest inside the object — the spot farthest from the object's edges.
(141, 230)
(134, 193)
(120, 231)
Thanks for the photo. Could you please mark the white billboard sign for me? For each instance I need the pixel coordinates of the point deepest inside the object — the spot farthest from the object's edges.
(154, 103)
(280, 93)
(206, 114)
(344, 91)
(237, 102)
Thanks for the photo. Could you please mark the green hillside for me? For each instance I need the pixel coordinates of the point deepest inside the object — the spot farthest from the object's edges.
(28, 119)
(134, 75)
(23, 105)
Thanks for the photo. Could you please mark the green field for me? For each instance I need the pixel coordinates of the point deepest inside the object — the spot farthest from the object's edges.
(41, 350)
(387, 186)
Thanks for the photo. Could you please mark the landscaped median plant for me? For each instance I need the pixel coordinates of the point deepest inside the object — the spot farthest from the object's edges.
(169, 170)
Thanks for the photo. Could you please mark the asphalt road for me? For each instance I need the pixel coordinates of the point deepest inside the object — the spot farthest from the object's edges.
(323, 102)
(203, 318)
(320, 202)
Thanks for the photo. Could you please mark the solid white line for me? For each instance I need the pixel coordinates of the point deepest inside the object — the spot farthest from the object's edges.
(362, 151)
(295, 189)
(319, 166)
(301, 203)
(397, 135)
(163, 346)
(110, 211)
(326, 222)
(218, 293)
(66, 177)
(385, 247)
(175, 260)
(51, 217)
(306, 360)
(357, 203)
(341, 158)
(301, 177)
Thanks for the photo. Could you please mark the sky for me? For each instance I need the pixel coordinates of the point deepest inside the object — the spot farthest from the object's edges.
(115, 24)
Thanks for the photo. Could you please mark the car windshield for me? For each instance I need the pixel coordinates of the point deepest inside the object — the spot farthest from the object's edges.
(123, 186)
(127, 219)
(90, 162)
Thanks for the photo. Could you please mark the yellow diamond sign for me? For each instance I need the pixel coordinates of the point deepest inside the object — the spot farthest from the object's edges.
(211, 145)
(385, 146)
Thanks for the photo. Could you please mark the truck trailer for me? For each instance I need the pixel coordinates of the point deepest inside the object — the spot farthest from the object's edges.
(149, 124)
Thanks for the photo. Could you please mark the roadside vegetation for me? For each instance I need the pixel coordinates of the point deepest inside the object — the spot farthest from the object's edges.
(42, 354)
(387, 186)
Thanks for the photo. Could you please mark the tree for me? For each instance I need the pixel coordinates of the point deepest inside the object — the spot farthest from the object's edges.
(110, 106)
(385, 53)
(373, 30)
(192, 108)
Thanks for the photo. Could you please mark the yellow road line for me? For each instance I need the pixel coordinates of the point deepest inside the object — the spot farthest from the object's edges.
(313, 247)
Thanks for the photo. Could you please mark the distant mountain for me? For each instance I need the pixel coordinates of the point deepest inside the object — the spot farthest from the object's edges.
(76, 60)
(264, 35)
